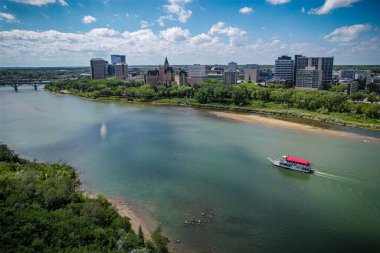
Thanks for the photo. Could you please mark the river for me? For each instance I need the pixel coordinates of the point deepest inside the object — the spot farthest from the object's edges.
(177, 164)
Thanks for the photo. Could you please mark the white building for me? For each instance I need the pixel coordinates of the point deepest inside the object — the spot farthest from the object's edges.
(196, 70)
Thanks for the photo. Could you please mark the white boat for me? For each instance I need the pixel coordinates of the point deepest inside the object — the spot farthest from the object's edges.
(292, 163)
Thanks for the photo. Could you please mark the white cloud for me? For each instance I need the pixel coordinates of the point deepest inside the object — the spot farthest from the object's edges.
(246, 10)
(175, 34)
(303, 10)
(372, 45)
(161, 19)
(41, 2)
(144, 24)
(88, 19)
(276, 2)
(177, 7)
(234, 34)
(219, 45)
(7, 17)
(330, 5)
(347, 33)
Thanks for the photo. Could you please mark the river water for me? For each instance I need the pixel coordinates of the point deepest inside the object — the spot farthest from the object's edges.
(179, 163)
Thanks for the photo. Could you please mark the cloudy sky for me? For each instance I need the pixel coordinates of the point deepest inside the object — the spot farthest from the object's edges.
(70, 33)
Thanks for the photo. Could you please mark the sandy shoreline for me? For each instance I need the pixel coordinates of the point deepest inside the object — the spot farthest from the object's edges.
(286, 124)
(126, 209)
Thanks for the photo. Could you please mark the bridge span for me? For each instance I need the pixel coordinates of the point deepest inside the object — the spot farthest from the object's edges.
(17, 83)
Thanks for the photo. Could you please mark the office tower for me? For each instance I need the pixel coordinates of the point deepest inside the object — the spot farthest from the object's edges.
(121, 70)
(251, 73)
(320, 63)
(196, 70)
(232, 67)
(115, 58)
(99, 68)
(284, 69)
(230, 77)
(310, 78)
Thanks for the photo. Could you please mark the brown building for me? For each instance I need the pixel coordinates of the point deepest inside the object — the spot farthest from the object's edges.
(121, 70)
(99, 68)
(164, 74)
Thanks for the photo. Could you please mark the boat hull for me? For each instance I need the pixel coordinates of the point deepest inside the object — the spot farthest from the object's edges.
(281, 163)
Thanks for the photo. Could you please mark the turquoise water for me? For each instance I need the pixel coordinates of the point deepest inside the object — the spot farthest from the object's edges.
(181, 162)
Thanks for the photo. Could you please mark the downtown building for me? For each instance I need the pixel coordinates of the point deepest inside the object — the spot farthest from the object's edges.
(121, 70)
(309, 78)
(196, 74)
(251, 73)
(284, 69)
(116, 59)
(99, 68)
(164, 74)
(230, 76)
(325, 64)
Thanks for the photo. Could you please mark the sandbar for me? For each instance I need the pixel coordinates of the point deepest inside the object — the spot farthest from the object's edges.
(287, 124)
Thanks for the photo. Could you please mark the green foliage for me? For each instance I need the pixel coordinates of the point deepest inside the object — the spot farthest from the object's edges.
(358, 96)
(372, 97)
(42, 211)
(158, 242)
(338, 87)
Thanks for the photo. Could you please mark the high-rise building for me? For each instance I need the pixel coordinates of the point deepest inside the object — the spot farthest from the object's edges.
(115, 58)
(284, 69)
(121, 70)
(251, 73)
(99, 68)
(232, 67)
(310, 77)
(320, 63)
(196, 70)
(230, 78)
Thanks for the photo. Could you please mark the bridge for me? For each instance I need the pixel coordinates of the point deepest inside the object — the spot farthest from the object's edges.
(17, 83)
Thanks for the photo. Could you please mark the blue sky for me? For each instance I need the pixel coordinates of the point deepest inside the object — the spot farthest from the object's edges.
(70, 33)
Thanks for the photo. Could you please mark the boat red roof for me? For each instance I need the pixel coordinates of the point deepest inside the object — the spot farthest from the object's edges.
(297, 160)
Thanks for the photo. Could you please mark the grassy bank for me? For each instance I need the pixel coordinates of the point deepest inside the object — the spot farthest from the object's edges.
(41, 210)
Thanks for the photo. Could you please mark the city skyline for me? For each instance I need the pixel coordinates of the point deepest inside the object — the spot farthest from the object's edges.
(67, 33)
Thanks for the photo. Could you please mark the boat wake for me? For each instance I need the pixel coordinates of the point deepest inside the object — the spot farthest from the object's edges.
(330, 176)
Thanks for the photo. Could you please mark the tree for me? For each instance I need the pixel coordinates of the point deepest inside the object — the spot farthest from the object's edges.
(140, 236)
(372, 97)
(358, 96)
(158, 242)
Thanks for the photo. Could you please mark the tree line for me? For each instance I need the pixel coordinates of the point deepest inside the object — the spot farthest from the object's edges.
(214, 91)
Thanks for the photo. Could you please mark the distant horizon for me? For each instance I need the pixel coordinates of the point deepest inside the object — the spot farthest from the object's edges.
(154, 65)
(71, 32)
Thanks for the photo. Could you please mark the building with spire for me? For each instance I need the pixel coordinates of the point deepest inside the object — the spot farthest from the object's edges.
(164, 74)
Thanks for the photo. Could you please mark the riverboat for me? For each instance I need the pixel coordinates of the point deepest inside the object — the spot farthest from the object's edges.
(292, 163)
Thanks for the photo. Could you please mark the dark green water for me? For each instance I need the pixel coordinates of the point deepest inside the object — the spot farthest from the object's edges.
(183, 162)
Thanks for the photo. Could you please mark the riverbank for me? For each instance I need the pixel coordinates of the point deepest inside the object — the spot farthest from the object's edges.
(126, 209)
(285, 124)
(340, 119)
